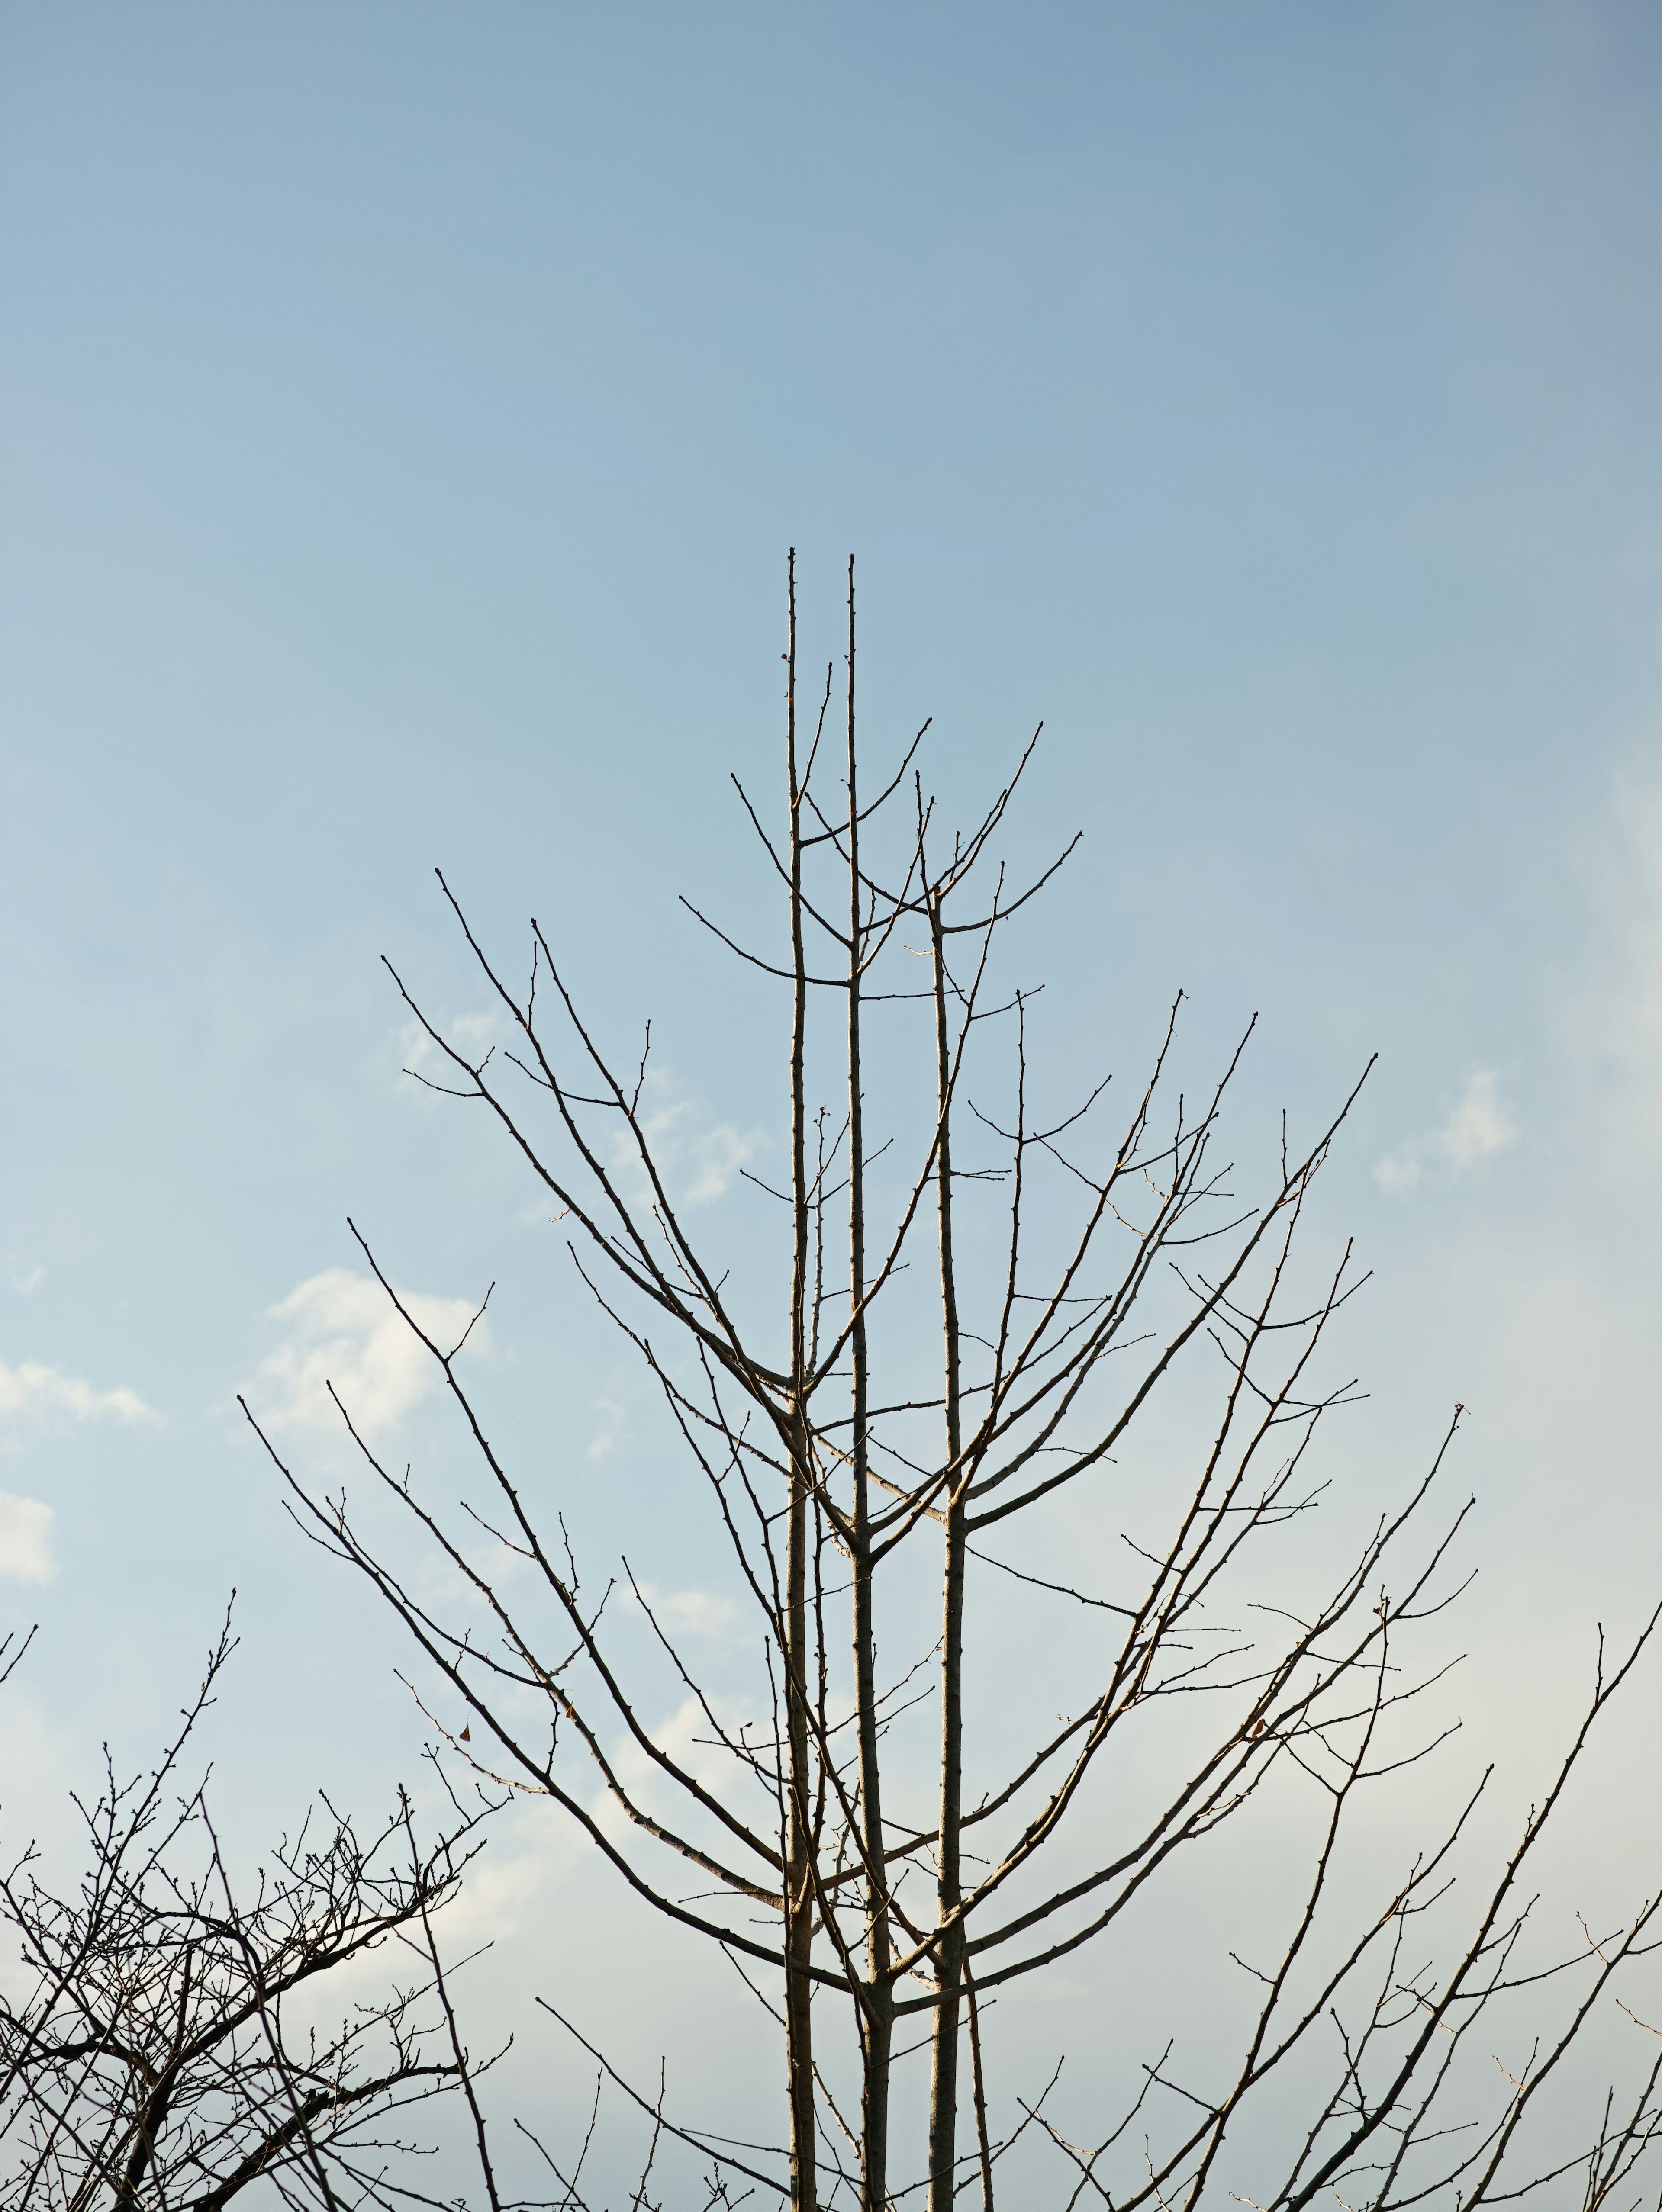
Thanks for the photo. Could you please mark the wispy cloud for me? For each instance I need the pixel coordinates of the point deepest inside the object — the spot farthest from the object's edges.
(686, 1736)
(697, 1160)
(1481, 1128)
(36, 1400)
(692, 1612)
(342, 1329)
(471, 1035)
(611, 1430)
(25, 1545)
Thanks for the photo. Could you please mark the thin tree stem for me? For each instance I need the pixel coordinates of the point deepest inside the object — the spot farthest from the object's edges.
(798, 1901)
(877, 2014)
(949, 1962)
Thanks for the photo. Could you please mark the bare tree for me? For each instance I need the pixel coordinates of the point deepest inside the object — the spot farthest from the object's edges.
(163, 2050)
(1082, 1270)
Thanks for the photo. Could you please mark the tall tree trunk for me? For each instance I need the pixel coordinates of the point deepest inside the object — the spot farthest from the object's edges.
(877, 2012)
(949, 1965)
(798, 1899)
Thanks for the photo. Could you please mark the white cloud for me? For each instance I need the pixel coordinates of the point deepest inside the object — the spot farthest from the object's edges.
(697, 1165)
(508, 1891)
(26, 1551)
(343, 1328)
(690, 1740)
(1481, 1128)
(611, 1432)
(25, 1281)
(472, 1035)
(692, 1612)
(35, 1399)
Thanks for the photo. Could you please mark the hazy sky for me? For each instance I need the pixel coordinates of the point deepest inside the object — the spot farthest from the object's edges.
(404, 410)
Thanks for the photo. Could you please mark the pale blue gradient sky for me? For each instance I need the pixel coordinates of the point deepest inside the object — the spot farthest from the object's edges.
(404, 411)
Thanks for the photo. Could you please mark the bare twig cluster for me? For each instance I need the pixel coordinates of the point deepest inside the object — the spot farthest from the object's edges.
(163, 2050)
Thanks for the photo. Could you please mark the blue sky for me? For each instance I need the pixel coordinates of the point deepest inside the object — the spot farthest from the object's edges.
(404, 413)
